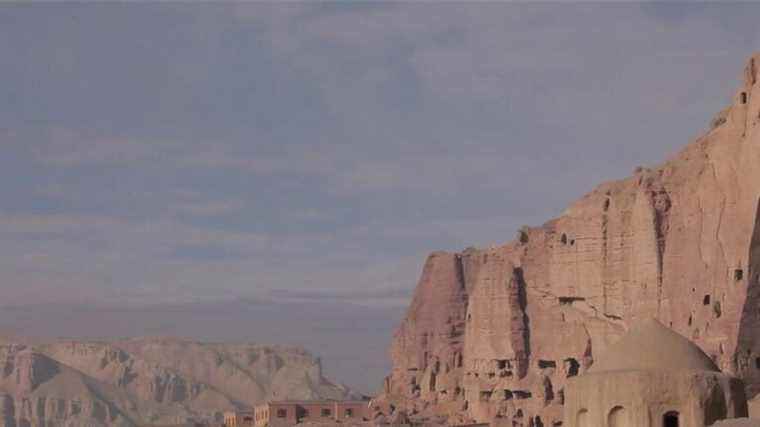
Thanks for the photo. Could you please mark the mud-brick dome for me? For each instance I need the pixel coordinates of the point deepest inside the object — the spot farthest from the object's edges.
(652, 377)
(650, 346)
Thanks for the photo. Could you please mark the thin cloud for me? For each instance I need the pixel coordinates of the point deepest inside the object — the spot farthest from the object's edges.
(63, 147)
(317, 152)
(209, 208)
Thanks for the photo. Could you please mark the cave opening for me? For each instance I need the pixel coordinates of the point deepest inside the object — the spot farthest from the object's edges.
(670, 419)
(543, 364)
(572, 366)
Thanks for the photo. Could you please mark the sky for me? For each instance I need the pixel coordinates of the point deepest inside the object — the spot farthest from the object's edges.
(285, 168)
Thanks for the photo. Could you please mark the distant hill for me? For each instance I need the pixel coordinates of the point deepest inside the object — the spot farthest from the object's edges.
(149, 380)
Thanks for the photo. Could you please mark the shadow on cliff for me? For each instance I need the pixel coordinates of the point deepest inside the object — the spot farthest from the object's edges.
(522, 298)
(747, 355)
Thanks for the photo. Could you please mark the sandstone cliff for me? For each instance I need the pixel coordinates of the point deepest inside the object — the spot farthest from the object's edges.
(149, 381)
(496, 332)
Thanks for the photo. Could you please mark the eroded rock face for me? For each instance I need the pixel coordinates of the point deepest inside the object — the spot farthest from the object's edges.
(149, 381)
(429, 345)
(679, 242)
(39, 391)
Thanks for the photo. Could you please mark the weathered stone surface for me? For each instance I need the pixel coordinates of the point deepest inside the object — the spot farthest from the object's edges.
(679, 242)
(149, 381)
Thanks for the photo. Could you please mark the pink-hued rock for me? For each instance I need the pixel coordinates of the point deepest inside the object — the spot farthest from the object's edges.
(144, 381)
(495, 333)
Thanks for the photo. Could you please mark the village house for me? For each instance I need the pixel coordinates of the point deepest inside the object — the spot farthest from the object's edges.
(238, 418)
(291, 412)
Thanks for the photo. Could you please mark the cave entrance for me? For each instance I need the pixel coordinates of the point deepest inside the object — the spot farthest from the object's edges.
(670, 419)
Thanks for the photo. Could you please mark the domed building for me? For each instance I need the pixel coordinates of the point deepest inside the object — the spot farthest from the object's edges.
(653, 377)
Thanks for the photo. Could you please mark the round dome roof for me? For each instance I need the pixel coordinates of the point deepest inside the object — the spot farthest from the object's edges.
(650, 346)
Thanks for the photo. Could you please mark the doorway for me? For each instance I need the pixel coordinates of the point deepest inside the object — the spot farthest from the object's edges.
(670, 419)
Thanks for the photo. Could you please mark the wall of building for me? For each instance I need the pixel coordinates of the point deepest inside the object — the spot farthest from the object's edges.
(239, 419)
(646, 398)
(277, 414)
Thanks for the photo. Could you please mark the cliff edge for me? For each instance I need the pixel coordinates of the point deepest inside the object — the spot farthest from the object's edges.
(495, 333)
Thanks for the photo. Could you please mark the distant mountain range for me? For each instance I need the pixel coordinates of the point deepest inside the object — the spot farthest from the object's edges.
(149, 380)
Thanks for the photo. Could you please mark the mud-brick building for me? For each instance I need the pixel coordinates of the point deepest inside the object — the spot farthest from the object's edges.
(291, 412)
(653, 377)
(239, 419)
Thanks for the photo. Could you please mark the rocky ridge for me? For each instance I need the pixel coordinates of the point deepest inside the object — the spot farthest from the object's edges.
(149, 381)
(495, 333)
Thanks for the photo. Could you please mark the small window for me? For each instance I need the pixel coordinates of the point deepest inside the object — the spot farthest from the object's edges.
(757, 362)
(326, 412)
(706, 300)
(743, 97)
(670, 419)
(563, 239)
(349, 413)
(282, 413)
(738, 274)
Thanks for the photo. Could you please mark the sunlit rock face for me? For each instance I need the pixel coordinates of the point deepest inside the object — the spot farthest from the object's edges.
(148, 381)
(497, 332)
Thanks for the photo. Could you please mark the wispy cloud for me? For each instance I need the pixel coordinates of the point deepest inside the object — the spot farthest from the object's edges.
(64, 147)
(210, 207)
(316, 151)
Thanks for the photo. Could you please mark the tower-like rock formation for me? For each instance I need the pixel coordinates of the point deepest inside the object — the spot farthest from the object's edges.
(496, 333)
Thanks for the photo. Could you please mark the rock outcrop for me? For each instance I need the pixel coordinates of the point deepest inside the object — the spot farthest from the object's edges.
(495, 333)
(149, 381)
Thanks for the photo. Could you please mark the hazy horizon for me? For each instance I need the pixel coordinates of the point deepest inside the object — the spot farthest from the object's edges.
(310, 155)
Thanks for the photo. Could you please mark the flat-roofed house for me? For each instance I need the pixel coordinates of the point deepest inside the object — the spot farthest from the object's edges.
(239, 419)
(291, 412)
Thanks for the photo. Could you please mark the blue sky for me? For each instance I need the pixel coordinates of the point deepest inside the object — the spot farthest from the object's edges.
(308, 152)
